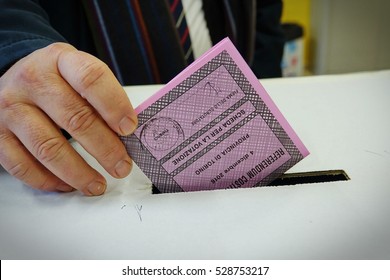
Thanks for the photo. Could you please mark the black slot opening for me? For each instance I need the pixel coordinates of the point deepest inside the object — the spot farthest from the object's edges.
(310, 177)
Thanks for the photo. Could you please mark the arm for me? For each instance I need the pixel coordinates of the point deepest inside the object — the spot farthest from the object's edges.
(24, 28)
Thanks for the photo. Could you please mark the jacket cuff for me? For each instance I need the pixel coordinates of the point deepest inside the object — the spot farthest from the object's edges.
(14, 51)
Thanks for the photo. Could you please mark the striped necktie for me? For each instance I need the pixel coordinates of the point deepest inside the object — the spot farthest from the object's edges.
(182, 28)
(138, 39)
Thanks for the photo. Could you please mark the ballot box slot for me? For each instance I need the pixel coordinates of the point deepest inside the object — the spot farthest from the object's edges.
(311, 177)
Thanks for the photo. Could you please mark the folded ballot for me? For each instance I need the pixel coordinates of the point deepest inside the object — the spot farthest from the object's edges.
(213, 127)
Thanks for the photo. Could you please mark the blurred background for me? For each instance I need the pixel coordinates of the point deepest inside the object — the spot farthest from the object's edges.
(333, 36)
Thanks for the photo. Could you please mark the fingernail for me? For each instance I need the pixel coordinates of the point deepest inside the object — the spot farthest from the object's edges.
(127, 126)
(96, 188)
(123, 168)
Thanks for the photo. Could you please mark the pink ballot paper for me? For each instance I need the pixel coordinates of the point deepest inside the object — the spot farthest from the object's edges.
(213, 127)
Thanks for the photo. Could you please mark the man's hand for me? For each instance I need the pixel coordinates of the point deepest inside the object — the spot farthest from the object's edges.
(59, 87)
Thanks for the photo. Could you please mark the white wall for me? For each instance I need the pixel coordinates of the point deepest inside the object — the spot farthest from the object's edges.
(350, 35)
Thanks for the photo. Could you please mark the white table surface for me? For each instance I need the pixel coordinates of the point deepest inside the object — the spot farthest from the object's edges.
(344, 122)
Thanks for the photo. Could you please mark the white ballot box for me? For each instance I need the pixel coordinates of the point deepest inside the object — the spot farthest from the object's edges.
(344, 122)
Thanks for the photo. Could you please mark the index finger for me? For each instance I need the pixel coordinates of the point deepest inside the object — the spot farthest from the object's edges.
(95, 82)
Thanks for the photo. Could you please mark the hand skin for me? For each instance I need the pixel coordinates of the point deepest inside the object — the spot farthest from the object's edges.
(60, 87)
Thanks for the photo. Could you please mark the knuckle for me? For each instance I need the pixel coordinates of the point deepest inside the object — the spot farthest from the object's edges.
(90, 72)
(111, 153)
(46, 185)
(80, 120)
(20, 116)
(10, 97)
(15, 167)
(56, 48)
(50, 150)
(20, 170)
(7, 99)
(27, 74)
(4, 136)
(11, 110)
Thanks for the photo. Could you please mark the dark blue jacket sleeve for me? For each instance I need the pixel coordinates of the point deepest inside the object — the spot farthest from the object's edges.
(24, 28)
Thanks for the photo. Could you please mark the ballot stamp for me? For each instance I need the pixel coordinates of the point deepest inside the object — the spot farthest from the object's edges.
(213, 127)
